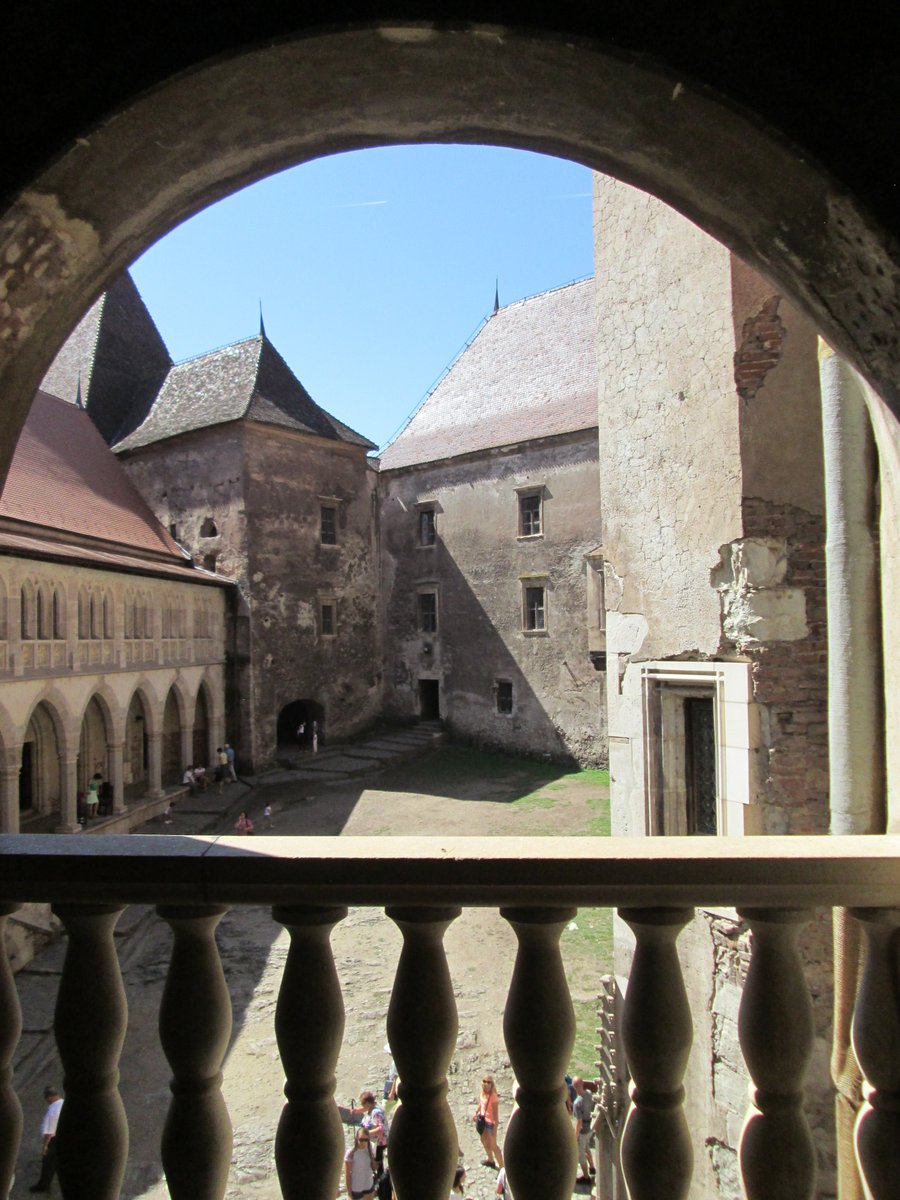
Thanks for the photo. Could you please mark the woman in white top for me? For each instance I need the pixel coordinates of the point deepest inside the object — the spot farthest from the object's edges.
(358, 1168)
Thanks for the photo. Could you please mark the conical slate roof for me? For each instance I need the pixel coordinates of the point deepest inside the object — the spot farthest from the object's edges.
(530, 372)
(247, 380)
(114, 359)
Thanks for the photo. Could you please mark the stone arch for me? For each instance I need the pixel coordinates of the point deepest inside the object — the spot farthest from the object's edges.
(41, 778)
(95, 735)
(139, 724)
(318, 91)
(173, 722)
(202, 731)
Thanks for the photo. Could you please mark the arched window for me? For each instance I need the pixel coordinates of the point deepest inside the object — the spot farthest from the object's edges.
(84, 614)
(3, 615)
(128, 616)
(41, 614)
(59, 616)
(26, 607)
(108, 623)
(96, 617)
(209, 528)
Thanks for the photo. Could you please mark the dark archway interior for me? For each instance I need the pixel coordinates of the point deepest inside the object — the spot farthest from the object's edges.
(295, 724)
(775, 136)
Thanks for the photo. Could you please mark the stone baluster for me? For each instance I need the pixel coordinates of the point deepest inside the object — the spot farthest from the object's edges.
(309, 1027)
(775, 1025)
(657, 1160)
(876, 1042)
(539, 1029)
(194, 1030)
(10, 1031)
(90, 1021)
(422, 1027)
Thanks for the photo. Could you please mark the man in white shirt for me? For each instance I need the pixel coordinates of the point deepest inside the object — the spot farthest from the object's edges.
(48, 1136)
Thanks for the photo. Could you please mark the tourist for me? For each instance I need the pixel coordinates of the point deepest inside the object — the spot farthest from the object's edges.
(582, 1109)
(459, 1185)
(243, 824)
(229, 755)
(375, 1124)
(267, 817)
(502, 1188)
(487, 1119)
(92, 799)
(48, 1136)
(221, 768)
(358, 1174)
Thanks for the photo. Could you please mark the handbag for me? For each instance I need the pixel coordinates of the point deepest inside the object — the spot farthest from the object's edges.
(479, 1123)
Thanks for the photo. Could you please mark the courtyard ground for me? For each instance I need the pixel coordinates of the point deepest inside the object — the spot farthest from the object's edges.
(449, 790)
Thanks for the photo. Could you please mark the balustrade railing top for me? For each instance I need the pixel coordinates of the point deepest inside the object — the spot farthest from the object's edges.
(634, 872)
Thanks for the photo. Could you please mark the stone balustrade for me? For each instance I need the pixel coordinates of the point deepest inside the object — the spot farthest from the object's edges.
(423, 883)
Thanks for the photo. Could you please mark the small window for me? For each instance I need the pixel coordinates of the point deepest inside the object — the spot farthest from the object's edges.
(428, 612)
(209, 528)
(209, 562)
(173, 530)
(328, 525)
(329, 625)
(427, 527)
(535, 617)
(504, 697)
(530, 515)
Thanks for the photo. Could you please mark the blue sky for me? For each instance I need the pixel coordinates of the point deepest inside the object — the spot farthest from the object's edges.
(373, 268)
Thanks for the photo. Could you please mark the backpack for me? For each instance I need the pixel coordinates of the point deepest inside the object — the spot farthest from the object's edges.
(384, 1190)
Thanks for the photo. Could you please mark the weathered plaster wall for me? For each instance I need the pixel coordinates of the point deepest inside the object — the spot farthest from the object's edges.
(478, 564)
(290, 572)
(713, 531)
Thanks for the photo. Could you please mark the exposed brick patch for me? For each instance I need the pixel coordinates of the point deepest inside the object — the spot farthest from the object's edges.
(762, 342)
(790, 680)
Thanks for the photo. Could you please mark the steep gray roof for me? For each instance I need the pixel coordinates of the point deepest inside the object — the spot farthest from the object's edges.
(530, 372)
(247, 380)
(118, 359)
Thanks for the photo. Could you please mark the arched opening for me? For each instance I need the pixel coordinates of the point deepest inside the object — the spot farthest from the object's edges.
(171, 741)
(40, 781)
(297, 722)
(200, 748)
(93, 754)
(135, 750)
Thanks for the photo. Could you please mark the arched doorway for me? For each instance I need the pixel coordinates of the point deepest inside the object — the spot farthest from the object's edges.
(40, 781)
(200, 737)
(171, 741)
(92, 745)
(295, 725)
(135, 771)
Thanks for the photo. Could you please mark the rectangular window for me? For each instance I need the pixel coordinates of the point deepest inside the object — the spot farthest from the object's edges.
(328, 525)
(329, 624)
(530, 514)
(428, 612)
(504, 697)
(535, 617)
(427, 528)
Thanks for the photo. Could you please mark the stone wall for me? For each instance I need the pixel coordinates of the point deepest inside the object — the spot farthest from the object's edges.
(479, 566)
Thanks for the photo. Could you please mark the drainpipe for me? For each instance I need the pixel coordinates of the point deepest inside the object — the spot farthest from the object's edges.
(855, 719)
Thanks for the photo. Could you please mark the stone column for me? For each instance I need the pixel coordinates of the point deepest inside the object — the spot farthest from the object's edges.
(187, 745)
(10, 769)
(116, 752)
(154, 765)
(68, 799)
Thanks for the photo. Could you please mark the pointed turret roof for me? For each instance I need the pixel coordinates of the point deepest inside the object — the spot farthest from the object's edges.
(530, 372)
(114, 360)
(248, 380)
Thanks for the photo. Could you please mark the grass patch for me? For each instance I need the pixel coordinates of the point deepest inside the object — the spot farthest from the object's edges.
(584, 1052)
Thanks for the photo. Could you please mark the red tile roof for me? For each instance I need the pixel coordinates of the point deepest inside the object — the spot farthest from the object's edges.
(530, 372)
(65, 479)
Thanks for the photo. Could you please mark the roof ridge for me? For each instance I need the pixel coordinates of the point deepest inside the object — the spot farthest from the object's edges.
(561, 287)
(255, 337)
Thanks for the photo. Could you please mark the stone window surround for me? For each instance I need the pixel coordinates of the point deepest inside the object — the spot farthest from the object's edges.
(535, 581)
(332, 503)
(524, 492)
(427, 589)
(328, 601)
(420, 507)
(729, 685)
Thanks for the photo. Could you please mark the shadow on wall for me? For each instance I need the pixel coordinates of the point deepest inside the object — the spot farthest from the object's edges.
(485, 672)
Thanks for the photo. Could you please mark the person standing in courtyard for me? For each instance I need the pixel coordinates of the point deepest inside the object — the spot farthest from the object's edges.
(48, 1138)
(582, 1109)
(92, 799)
(358, 1174)
(487, 1121)
(315, 737)
(229, 755)
(221, 768)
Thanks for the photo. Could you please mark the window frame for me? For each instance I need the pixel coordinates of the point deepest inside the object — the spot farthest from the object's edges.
(524, 495)
(427, 516)
(432, 617)
(329, 603)
(534, 583)
(500, 689)
(328, 537)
